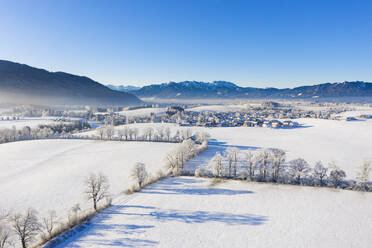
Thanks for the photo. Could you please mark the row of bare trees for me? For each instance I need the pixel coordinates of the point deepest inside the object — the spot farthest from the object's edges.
(176, 159)
(27, 227)
(175, 163)
(270, 165)
(41, 131)
(157, 134)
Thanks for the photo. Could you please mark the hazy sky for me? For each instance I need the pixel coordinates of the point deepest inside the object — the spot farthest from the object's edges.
(252, 43)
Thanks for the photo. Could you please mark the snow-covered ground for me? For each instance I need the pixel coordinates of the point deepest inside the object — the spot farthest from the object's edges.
(49, 174)
(346, 143)
(218, 108)
(189, 212)
(355, 113)
(141, 112)
(31, 122)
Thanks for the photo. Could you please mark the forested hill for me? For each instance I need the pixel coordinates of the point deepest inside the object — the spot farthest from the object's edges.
(25, 84)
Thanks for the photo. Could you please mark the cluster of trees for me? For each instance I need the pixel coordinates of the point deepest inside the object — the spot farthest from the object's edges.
(28, 226)
(175, 159)
(175, 162)
(42, 111)
(41, 132)
(157, 134)
(269, 165)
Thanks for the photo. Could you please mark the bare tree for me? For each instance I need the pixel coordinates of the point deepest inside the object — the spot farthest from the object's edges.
(363, 175)
(161, 131)
(216, 165)
(26, 227)
(234, 154)
(299, 169)
(96, 188)
(134, 133)
(320, 172)
(120, 134)
(188, 149)
(101, 132)
(5, 234)
(148, 133)
(229, 158)
(263, 159)
(125, 132)
(181, 156)
(173, 163)
(49, 222)
(336, 175)
(110, 131)
(139, 173)
(249, 160)
(278, 158)
(167, 133)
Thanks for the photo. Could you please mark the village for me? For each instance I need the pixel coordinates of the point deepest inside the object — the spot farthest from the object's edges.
(267, 115)
(257, 117)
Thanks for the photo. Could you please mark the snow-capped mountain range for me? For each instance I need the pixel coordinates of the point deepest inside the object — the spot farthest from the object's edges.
(223, 89)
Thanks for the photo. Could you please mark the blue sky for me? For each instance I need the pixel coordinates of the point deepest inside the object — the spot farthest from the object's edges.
(252, 43)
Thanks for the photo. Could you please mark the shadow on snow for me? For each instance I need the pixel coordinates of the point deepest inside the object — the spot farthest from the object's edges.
(185, 187)
(164, 215)
(214, 146)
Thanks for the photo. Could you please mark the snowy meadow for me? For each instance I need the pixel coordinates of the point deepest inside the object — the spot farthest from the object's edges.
(49, 174)
(235, 213)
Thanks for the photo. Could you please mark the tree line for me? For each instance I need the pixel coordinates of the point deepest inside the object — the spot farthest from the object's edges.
(270, 165)
(157, 134)
(26, 227)
(41, 131)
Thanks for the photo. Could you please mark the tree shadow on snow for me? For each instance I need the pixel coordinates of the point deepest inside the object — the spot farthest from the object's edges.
(196, 191)
(184, 186)
(214, 146)
(221, 146)
(119, 242)
(191, 217)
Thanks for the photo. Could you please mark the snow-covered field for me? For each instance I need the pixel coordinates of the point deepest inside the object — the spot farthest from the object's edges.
(189, 212)
(31, 122)
(141, 112)
(346, 143)
(355, 113)
(218, 108)
(49, 174)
